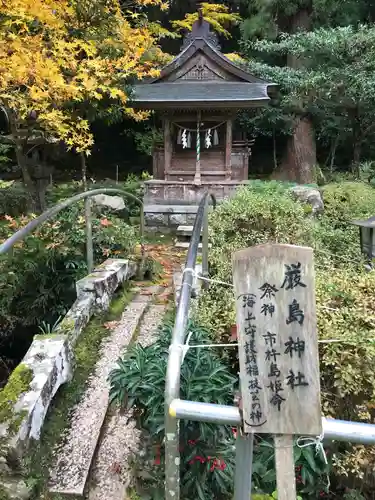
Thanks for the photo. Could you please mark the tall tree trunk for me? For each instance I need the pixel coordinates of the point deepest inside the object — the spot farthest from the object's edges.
(300, 156)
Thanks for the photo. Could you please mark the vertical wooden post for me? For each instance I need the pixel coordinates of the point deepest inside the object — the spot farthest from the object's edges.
(228, 150)
(168, 147)
(278, 349)
(285, 471)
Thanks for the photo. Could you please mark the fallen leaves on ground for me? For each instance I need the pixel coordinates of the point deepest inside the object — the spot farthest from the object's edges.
(111, 325)
(168, 258)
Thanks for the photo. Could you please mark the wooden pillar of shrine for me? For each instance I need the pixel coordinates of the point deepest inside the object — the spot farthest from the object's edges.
(228, 150)
(168, 146)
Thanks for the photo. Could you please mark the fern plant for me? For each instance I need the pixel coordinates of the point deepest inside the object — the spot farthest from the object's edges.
(46, 328)
(207, 450)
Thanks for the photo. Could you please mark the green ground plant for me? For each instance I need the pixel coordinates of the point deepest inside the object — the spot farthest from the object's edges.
(37, 278)
(207, 450)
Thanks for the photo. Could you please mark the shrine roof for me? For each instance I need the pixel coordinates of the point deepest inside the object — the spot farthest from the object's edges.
(201, 76)
(203, 94)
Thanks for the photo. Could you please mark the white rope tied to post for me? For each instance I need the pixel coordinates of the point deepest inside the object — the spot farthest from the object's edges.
(203, 278)
(304, 442)
(183, 347)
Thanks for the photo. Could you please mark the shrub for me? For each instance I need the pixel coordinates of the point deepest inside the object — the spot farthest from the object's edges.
(310, 469)
(346, 201)
(267, 212)
(13, 199)
(346, 314)
(344, 290)
(37, 278)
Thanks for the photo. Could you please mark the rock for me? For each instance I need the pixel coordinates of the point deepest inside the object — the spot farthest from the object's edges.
(14, 489)
(177, 219)
(311, 196)
(4, 469)
(155, 219)
(115, 203)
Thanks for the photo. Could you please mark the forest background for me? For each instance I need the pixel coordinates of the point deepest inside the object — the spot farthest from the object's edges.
(320, 52)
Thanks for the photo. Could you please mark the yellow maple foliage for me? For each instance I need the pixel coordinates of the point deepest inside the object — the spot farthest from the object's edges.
(57, 55)
(217, 15)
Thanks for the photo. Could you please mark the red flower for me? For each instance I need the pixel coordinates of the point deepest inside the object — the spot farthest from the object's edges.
(105, 222)
(197, 458)
(218, 464)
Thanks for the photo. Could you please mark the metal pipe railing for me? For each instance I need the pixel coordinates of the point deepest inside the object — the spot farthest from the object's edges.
(51, 212)
(333, 430)
(172, 386)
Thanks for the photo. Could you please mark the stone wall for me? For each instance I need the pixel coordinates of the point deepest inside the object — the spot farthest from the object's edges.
(169, 204)
(48, 364)
(186, 193)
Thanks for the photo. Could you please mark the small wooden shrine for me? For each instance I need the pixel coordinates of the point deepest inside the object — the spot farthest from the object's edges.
(198, 96)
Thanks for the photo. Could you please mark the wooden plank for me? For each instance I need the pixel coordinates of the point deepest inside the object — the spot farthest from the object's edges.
(205, 172)
(192, 117)
(278, 350)
(228, 149)
(284, 460)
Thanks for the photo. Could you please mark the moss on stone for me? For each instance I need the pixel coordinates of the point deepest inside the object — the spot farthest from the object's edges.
(43, 336)
(66, 326)
(18, 383)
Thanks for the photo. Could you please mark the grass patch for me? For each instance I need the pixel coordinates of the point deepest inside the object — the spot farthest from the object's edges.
(86, 355)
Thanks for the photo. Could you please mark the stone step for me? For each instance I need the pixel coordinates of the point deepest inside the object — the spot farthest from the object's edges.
(184, 230)
(185, 245)
(74, 456)
(121, 440)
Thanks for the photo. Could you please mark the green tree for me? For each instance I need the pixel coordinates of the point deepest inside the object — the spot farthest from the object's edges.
(336, 84)
(296, 117)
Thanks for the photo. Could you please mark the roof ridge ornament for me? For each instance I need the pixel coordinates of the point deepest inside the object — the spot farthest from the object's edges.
(201, 29)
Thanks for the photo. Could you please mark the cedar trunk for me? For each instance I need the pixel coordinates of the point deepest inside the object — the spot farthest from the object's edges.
(300, 155)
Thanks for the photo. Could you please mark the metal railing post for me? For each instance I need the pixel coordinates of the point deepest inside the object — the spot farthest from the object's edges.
(172, 385)
(244, 465)
(89, 239)
(205, 245)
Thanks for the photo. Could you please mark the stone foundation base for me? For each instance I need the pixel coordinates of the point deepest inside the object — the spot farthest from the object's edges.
(169, 204)
(167, 218)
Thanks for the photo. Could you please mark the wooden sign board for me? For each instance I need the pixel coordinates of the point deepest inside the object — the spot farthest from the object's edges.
(278, 349)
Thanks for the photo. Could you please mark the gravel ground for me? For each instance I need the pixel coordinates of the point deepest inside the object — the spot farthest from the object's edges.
(74, 456)
(112, 471)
